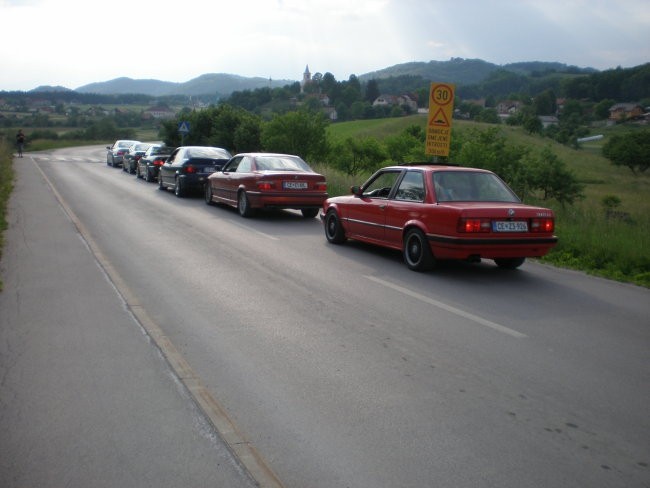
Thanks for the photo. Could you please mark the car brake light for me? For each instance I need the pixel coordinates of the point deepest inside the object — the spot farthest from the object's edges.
(265, 185)
(158, 162)
(320, 186)
(542, 225)
(474, 225)
(189, 169)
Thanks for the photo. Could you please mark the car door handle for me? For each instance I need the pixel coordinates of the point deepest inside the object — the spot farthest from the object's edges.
(382, 207)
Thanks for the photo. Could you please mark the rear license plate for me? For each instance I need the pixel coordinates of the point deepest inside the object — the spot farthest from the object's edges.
(294, 185)
(209, 169)
(510, 226)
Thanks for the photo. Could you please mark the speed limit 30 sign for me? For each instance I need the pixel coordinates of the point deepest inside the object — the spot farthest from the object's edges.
(441, 106)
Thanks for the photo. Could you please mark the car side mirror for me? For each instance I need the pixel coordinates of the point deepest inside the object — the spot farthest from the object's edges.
(356, 190)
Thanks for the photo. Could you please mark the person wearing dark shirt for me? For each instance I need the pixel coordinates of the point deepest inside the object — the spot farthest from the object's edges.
(20, 142)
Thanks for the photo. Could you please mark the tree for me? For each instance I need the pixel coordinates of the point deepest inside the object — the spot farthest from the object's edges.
(545, 103)
(631, 149)
(601, 109)
(301, 133)
(372, 91)
(356, 155)
(549, 174)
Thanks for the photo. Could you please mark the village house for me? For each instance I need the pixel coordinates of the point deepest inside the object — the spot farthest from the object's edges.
(508, 107)
(625, 111)
(158, 113)
(396, 100)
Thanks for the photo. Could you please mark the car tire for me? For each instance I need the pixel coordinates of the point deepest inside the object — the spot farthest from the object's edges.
(207, 194)
(161, 185)
(417, 253)
(137, 172)
(179, 189)
(309, 213)
(334, 231)
(243, 205)
(147, 176)
(509, 263)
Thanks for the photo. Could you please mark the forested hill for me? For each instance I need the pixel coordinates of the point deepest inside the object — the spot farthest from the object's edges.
(463, 72)
(469, 71)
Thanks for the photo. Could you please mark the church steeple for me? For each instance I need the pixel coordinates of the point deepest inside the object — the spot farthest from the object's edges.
(306, 78)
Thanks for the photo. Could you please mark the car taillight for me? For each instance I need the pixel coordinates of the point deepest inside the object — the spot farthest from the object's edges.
(189, 169)
(265, 185)
(158, 162)
(474, 225)
(542, 225)
(320, 186)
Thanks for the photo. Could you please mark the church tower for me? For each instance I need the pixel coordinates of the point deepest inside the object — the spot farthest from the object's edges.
(306, 78)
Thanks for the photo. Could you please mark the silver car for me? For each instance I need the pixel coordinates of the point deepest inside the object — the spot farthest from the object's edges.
(115, 153)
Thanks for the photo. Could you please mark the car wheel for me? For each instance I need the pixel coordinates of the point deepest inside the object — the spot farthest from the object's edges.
(509, 263)
(179, 190)
(147, 176)
(309, 213)
(161, 185)
(417, 253)
(243, 205)
(137, 172)
(207, 194)
(333, 229)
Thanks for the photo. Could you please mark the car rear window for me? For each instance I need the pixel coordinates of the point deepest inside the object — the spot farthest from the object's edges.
(209, 153)
(278, 163)
(471, 186)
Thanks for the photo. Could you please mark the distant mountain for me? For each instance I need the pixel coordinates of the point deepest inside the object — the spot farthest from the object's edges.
(209, 84)
(49, 88)
(467, 71)
(220, 85)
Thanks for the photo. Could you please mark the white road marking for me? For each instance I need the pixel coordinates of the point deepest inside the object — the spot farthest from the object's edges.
(250, 229)
(449, 308)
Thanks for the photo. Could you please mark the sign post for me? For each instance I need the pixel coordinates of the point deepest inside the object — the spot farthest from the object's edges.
(441, 106)
(183, 128)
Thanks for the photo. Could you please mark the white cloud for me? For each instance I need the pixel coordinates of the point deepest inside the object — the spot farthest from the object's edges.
(74, 42)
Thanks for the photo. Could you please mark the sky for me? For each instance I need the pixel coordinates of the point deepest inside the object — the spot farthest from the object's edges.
(72, 43)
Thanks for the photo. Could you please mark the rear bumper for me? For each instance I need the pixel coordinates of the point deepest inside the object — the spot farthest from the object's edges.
(284, 200)
(445, 247)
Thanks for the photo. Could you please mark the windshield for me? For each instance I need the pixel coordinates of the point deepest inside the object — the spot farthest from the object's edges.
(471, 186)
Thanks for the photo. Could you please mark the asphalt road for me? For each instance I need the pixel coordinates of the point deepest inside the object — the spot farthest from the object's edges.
(345, 369)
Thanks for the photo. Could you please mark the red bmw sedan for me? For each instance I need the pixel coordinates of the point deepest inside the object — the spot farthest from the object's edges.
(434, 212)
(251, 181)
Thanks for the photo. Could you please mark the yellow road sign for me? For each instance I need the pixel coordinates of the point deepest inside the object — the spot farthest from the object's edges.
(441, 106)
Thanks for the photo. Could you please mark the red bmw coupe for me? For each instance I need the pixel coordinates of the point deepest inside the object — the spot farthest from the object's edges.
(438, 212)
(251, 181)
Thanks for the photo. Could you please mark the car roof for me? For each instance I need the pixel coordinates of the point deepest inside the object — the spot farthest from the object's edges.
(436, 167)
(267, 154)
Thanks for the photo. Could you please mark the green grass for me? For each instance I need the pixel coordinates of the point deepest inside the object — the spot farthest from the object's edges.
(6, 186)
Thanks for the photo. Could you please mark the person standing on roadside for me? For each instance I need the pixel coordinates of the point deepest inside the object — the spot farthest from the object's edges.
(20, 142)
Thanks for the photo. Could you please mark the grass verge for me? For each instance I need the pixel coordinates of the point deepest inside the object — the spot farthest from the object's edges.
(6, 186)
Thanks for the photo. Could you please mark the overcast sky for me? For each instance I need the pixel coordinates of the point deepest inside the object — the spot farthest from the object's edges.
(75, 42)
